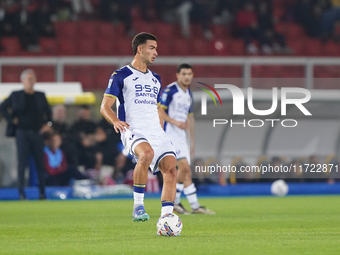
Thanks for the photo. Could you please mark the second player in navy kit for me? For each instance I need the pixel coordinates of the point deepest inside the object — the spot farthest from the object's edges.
(177, 112)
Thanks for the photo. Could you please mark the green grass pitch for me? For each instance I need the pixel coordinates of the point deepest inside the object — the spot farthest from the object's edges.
(252, 225)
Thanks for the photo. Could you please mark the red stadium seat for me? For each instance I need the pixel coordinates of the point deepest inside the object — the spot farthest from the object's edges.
(85, 47)
(294, 30)
(45, 73)
(12, 46)
(220, 31)
(84, 74)
(70, 73)
(314, 47)
(278, 12)
(66, 29)
(281, 27)
(143, 26)
(104, 47)
(331, 49)
(181, 47)
(264, 71)
(291, 72)
(87, 29)
(163, 30)
(123, 47)
(102, 75)
(236, 47)
(326, 72)
(233, 71)
(200, 47)
(48, 46)
(297, 45)
(11, 73)
(106, 31)
(67, 47)
(120, 30)
(196, 31)
(164, 47)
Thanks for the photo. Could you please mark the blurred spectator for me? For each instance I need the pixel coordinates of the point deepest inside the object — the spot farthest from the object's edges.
(273, 41)
(313, 24)
(111, 148)
(225, 11)
(69, 142)
(186, 11)
(330, 17)
(59, 120)
(25, 24)
(44, 21)
(82, 8)
(200, 14)
(63, 10)
(246, 21)
(318, 18)
(118, 11)
(303, 11)
(88, 134)
(59, 173)
(6, 20)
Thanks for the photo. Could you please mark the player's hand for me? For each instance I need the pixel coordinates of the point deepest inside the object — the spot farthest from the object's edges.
(120, 126)
(181, 125)
(192, 153)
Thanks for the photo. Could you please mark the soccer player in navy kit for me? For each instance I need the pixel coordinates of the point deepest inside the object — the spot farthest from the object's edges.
(140, 124)
(177, 112)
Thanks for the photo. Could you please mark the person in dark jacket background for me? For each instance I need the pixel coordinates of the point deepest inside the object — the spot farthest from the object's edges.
(28, 111)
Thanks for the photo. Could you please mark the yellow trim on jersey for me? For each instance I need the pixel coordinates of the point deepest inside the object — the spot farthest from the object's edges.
(109, 95)
(190, 113)
(164, 106)
(113, 73)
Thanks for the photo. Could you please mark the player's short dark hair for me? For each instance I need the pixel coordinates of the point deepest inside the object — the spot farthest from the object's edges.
(141, 38)
(184, 66)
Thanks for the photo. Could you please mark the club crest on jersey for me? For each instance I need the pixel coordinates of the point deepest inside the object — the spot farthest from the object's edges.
(154, 80)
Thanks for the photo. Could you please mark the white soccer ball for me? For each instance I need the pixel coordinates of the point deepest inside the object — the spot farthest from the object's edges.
(169, 225)
(279, 188)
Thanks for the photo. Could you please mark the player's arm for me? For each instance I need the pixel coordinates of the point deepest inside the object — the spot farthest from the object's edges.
(110, 116)
(191, 130)
(165, 116)
(161, 120)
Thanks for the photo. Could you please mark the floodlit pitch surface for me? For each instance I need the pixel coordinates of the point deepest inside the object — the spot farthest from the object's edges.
(252, 225)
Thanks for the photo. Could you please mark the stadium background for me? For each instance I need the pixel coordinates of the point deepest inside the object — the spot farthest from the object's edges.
(84, 41)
